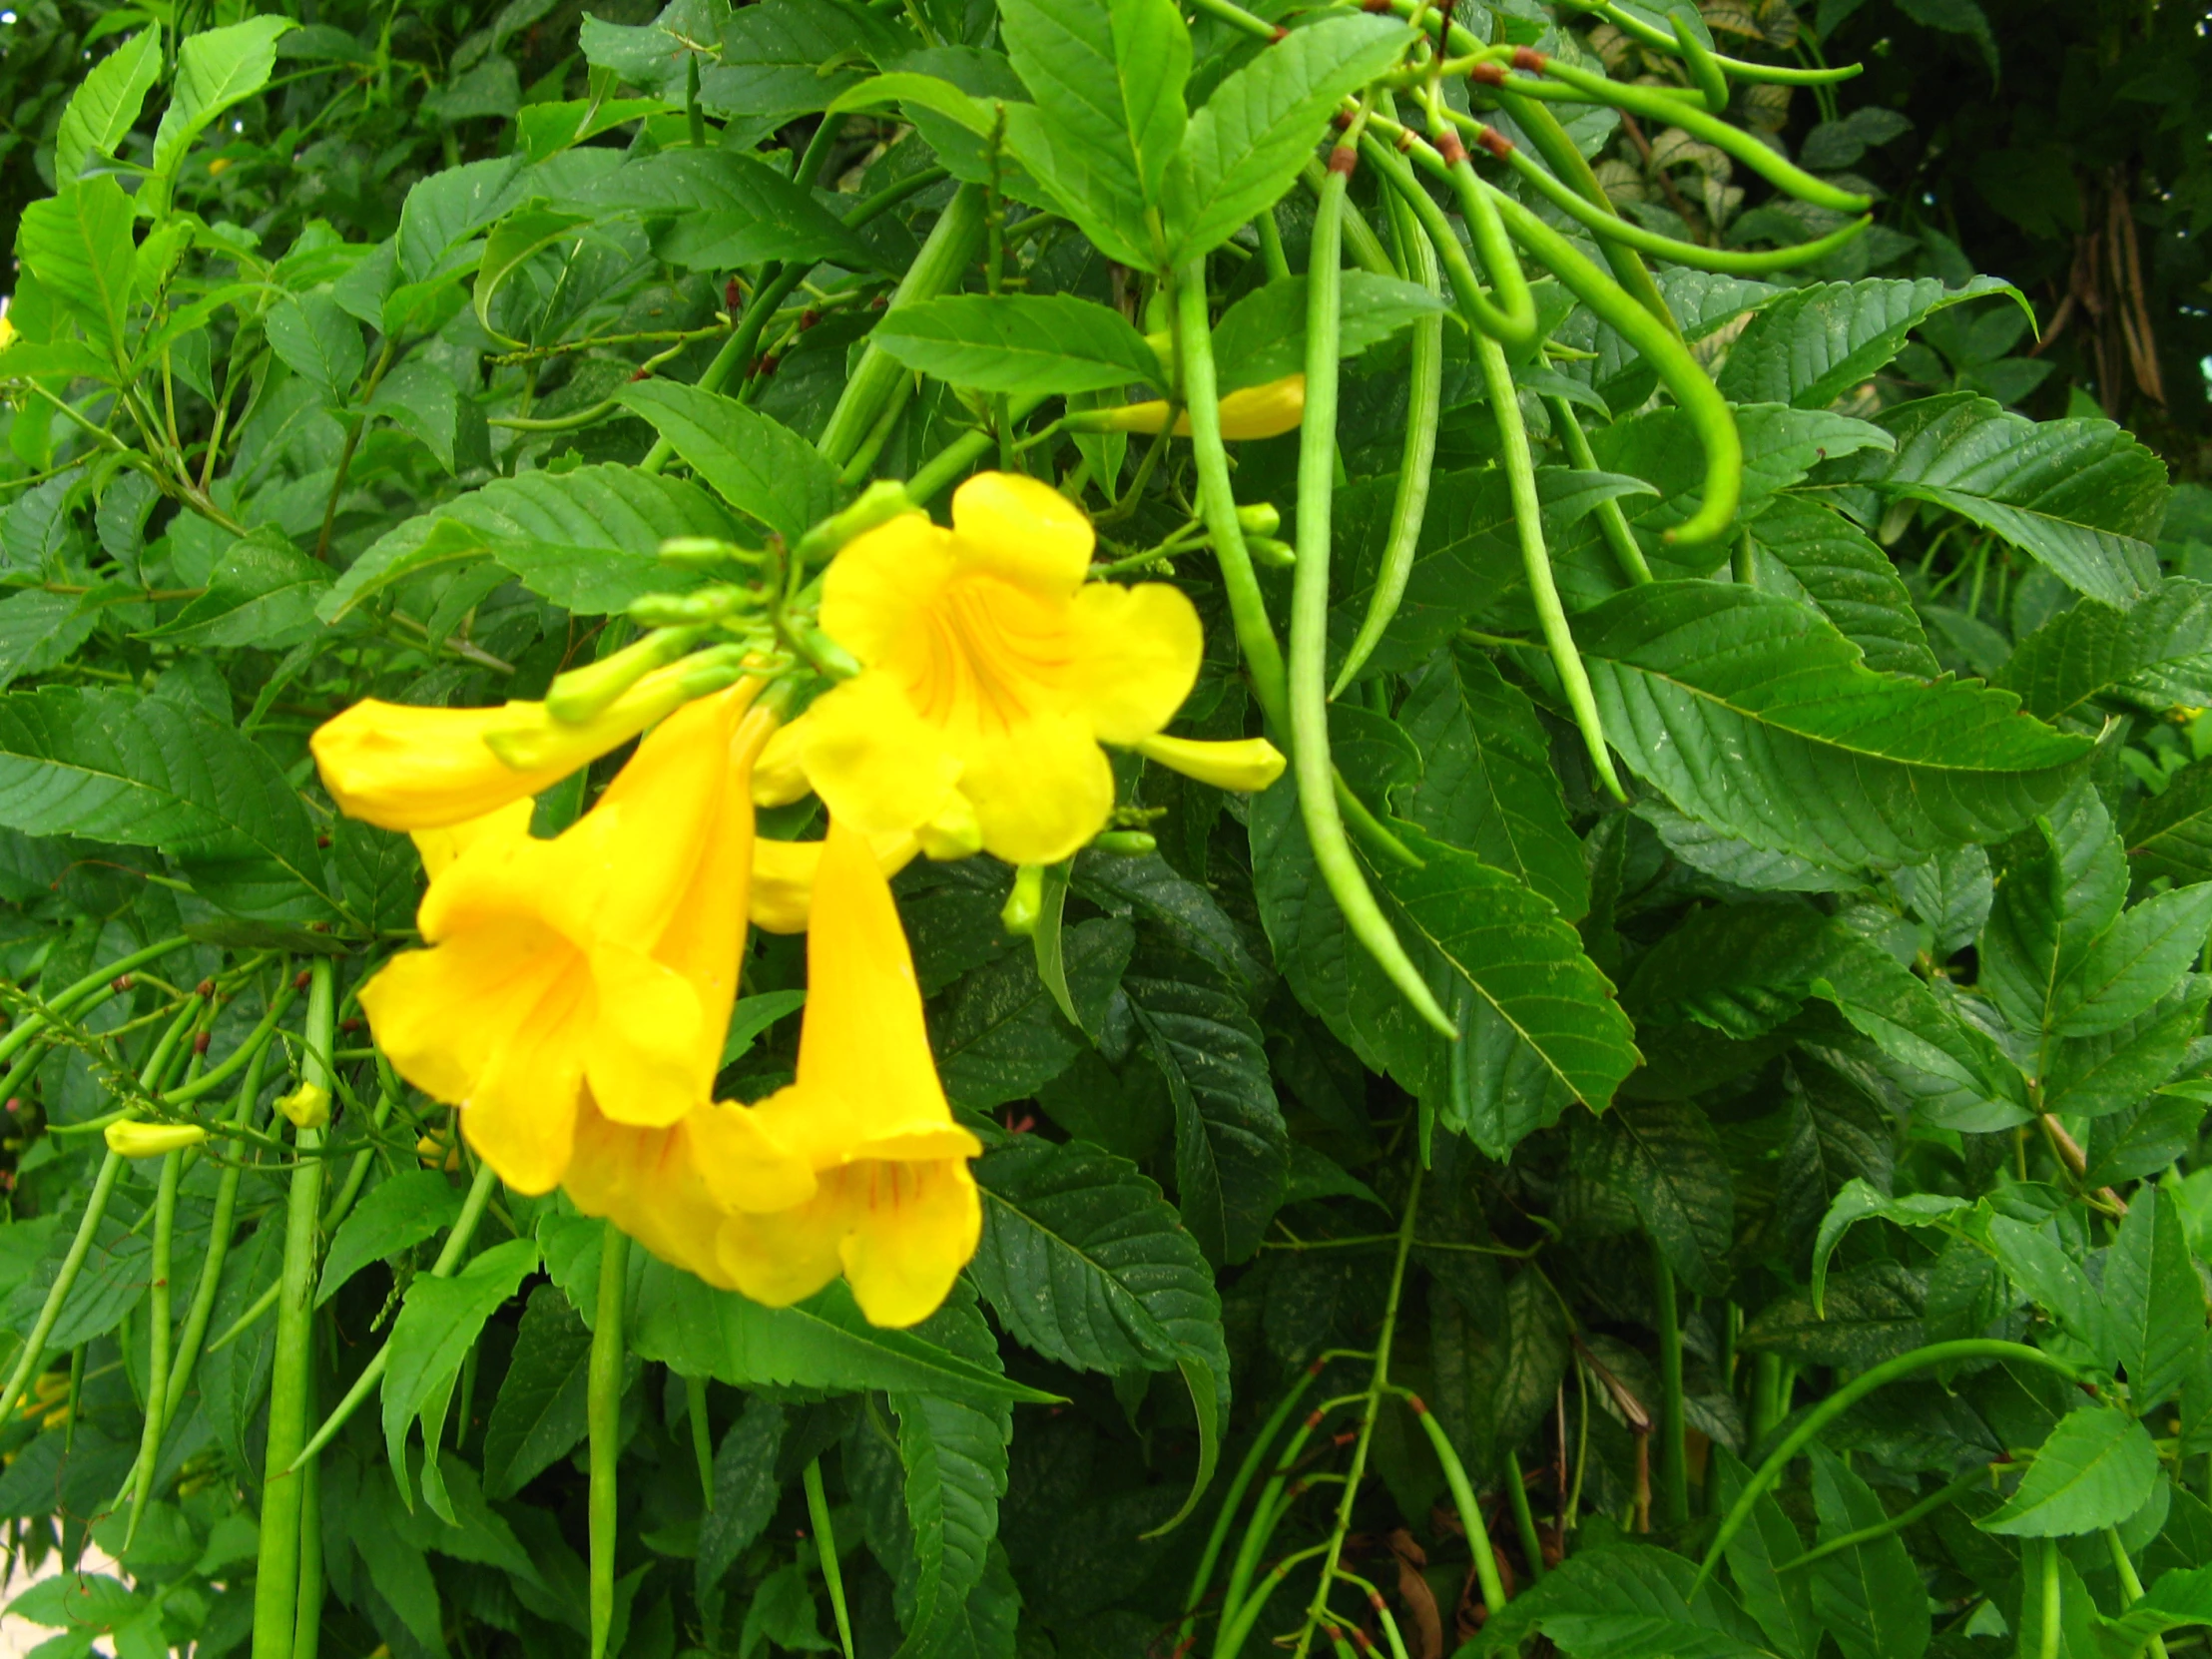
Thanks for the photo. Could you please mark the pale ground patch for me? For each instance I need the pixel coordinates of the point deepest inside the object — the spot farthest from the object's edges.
(19, 1636)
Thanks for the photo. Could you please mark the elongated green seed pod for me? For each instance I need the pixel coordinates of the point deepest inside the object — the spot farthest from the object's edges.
(1612, 523)
(1417, 460)
(1233, 1499)
(1659, 40)
(1705, 69)
(1659, 106)
(1462, 1497)
(1307, 683)
(158, 1329)
(1468, 292)
(1727, 260)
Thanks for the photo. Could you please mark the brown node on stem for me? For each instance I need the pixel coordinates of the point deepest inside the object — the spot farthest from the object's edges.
(121, 983)
(1529, 58)
(204, 990)
(1495, 141)
(1420, 1405)
(1449, 146)
(1487, 74)
(1343, 159)
(200, 1042)
(1281, 33)
(301, 980)
(1313, 1421)
(1314, 1370)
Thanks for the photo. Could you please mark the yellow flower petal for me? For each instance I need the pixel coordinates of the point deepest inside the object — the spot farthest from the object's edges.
(406, 768)
(876, 763)
(1249, 764)
(439, 848)
(520, 1115)
(1252, 412)
(783, 877)
(781, 778)
(913, 1228)
(1042, 792)
(648, 1064)
(1137, 653)
(880, 581)
(1020, 530)
(150, 1140)
(785, 1255)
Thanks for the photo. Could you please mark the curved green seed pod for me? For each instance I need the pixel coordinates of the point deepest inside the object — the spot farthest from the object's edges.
(157, 1343)
(1308, 684)
(1468, 292)
(1678, 372)
(1649, 100)
(1233, 1499)
(1237, 1625)
(1417, 460)
(1705, 69)
(1267, 1510)
(1612, 523)
(1729, 262)
(1462, 1498)
(1521, 482)
(1778, 74)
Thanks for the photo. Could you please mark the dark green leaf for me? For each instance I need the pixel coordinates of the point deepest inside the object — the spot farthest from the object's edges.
(745, 1492)
(262, 592)
(2156, 655)
(760, 466)
(410, 1207)
(1869, 1597)
(2154, 1297)
(539, 1417)
(1809, 552)
(1262, 338)
(2094, 1471)
(1019, 344)
(1815, 344)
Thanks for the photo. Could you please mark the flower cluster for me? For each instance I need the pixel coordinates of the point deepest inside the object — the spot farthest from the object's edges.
(574, 992)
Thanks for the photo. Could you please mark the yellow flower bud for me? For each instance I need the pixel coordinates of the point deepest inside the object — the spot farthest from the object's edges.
(150, 1140)
(1025, 904)
(1254, 412)
(1249, 764)
(309, 1106)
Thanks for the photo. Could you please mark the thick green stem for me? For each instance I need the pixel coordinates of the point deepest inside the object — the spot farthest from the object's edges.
(2053, 1601)
(1468, 291)
(1417, 461)
(1674, 1452)
(1850, 1395)
(157, 1343)
(702, 1436)
(603, 1415)
(449, 1259)
(937, 268)
(290, 1383)
(1217, 499)
(1528, 521)
(1308, 669)
(306, 1640)
(826, 1550)
(2131, 1582)
(1612, 523)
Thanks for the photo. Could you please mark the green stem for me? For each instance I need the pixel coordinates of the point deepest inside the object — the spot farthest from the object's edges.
(1217, 498)
(34, 1346)
(1850, 1395)
(825, 1549)
(276, 1582)
(1272, 257)
(1612, 523)
(1468, 292)
(1524, 1518)
(306, 1640)
(1896, 1523)
(1470, 1512)
(603, 1412)
(1267, 1510)
(1237, 1625)
(702, 1436)
(1674, 1454)
(1565, 159)
(449, 1258)
(2053, 1601)
(218, 1247)
(99, 979)
(937, 268)
(1307, 668)
(1234, 1500)
(962, 453)
(1520, 483)
(1417, 461)
(2131, 1582)
(157, 1343)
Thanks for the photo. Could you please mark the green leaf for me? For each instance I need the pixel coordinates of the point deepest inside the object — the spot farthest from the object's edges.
(821, 1343)
(778, 59)
(412, 1206)
(438, 1324)
(39, 631)
(548, 128)
(2052, 1279)
(1662, 1158)
(731, 211)
(148, 771)
(513, 243)
(1869, 1597)
(421, 400)
(1106, 76)
(757, 464)
(103, 110)
(214, 71)
(955, 1455)
(1741, 970)
(1813, 344)
(77, 246)
(1492, 938)
(1231, 1146)
(2133, 963)
(539, 1417)
(755, 1014)
(1870, 1314)
(262, 592)
(2094, 1470)
(1781, 1602)
(1019, 344)
(1807, 551)
(1243, 149)
(1616, 1599)
(110, 1283)
(999, 1035)
(1832, 761)
(319, 341)
(746, 1491)
(2063, 882)
(588, 540)
(1488, 783)
(1262, 338)
(1859, 1202)
(2154, 1298)
(2170, 834)
(2155, 656)
(1958, 1074)
(2080, 496)
(2129, 1146)
(1084, 1262)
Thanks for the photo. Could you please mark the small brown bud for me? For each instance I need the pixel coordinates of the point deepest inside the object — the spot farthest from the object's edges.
(1529, 58)
(1487, 74)
(808, 319)
(731, 296)
(1495, 141)
(321, 839)
(200, 1042)
(301, 980)
(121, 983)
(1343, 159)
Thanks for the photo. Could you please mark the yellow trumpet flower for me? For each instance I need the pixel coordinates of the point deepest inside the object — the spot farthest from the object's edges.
(992, 673)
(884, 1194)
(404, 767)
(150, 1140)
(1252, 412)
(783, 877)
(606, 957)
(1247, 765)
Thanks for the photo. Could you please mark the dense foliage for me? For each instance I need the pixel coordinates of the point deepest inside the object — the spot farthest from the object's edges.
(1796, 1245)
